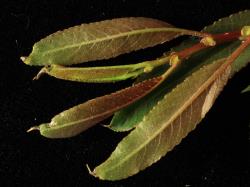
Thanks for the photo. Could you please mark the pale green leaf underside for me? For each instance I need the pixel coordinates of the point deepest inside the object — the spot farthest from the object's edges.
(130, 116)
(167, 123)
(102, 74)
(94, 74)
(102, 40)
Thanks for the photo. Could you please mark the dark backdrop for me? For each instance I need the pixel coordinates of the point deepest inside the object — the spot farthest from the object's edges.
(215, 154)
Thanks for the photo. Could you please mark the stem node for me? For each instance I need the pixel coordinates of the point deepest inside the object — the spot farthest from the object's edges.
(208, 41)
(245, 31)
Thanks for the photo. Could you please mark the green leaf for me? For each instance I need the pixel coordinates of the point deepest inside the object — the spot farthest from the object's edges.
(129, 117)
(81, 117)
(102, 40)
(102, 74)
(247, 89)
(170, 120)
(167, 123)
(230, 23)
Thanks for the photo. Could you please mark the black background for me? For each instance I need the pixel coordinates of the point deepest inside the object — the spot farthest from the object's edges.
(215, 154)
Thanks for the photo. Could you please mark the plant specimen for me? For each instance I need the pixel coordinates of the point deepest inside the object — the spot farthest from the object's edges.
(170, 96)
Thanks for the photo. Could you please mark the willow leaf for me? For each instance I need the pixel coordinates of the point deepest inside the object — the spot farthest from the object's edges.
(102, 74)
(183, 108)
(79, 118)
(230, 23)
(102, 40)
(129, 117)
(167, 123)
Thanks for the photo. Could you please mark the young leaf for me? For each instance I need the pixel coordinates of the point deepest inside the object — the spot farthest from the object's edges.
(102, 40)
(81, 117)
(102, 74)
(129, 117)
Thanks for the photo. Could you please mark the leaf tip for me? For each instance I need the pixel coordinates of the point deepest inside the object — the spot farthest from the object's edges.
(33, 128)
(247, 89)
(25, 59)
(40, 73)
(90, 171)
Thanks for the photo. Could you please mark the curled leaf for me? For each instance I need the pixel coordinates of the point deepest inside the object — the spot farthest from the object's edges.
(93, 74)
(101, 74)
(102, 40)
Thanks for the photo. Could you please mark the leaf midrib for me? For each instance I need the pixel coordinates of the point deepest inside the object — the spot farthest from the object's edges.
(111, 37)
(207, 83)
(104, 113)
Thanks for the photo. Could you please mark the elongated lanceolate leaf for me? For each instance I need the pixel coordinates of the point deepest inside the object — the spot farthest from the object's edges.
(102, 40)
(170, 120)
(102, 74)
(93, 74)
(166, 124)
(130, 116)
(79, 118)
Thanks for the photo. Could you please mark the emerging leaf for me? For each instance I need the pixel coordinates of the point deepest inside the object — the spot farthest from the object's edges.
(102, 40)
(129, 117)
(102, 74)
